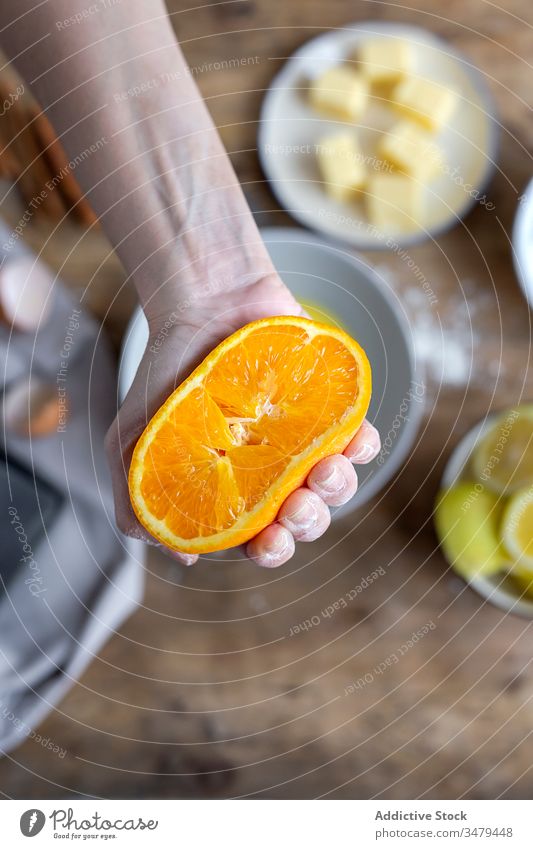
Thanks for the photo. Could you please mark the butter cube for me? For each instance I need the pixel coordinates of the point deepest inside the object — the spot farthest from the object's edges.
(394, 203)
(412, 150)
(425, 101)
(385, 60)
(341, 165)
(341, 92)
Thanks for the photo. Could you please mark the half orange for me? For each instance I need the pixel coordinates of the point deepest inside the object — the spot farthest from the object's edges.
(220, 456)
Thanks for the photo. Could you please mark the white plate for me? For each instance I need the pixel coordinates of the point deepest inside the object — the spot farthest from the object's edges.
(346, 286)
(497, 589)
(287, 122)
(523, 242)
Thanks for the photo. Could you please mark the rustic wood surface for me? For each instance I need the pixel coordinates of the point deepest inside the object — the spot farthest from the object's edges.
(203, 692)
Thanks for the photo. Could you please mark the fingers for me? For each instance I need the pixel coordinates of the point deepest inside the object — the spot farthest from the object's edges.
(365, 445)
(180, 556)
(305, 515)
(272, 547)
(334, 480)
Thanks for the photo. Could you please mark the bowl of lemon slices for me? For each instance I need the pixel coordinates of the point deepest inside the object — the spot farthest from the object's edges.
(484, 510)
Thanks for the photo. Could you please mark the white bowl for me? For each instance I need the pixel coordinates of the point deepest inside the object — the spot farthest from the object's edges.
(288, 124)
(497, 589)
(346, 286)
(522, 242)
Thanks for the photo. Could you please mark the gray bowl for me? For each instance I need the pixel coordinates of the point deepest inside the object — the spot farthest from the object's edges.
(322, 274)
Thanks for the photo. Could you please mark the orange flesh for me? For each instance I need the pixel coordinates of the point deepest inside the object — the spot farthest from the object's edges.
(218, 459)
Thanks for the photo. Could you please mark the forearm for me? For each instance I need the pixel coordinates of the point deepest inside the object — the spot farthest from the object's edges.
(159, 178)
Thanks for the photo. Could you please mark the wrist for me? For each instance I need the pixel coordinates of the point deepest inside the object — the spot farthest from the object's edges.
(223, 305)
(185, 283)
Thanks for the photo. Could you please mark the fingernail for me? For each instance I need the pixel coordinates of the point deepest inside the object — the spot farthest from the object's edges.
(302, 519)
(365, 452)
(334, 481)
(188, 559)
(278, 545)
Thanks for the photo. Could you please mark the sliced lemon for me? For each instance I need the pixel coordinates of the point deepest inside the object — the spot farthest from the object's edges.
(503, 459)
(523, 580)
(467, 517)
(517, 532)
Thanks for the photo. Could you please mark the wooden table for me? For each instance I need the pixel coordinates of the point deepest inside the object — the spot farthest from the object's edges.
(204, 692)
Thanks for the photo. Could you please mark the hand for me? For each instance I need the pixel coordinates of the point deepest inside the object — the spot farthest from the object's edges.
(203, 323)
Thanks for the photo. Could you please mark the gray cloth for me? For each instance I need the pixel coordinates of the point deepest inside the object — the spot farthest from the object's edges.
(91, 576)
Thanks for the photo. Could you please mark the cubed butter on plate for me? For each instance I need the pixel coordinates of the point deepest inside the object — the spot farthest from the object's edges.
(341, 165)
(425, 101)
(394, 203)
(412, 150)
(385, 60)
(341, 92)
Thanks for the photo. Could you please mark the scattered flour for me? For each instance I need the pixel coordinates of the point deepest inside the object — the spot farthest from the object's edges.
(447, 336)
(444, 345)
